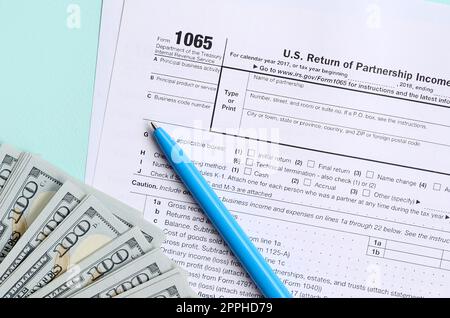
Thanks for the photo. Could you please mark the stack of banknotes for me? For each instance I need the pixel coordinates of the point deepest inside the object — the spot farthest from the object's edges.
(60, 238)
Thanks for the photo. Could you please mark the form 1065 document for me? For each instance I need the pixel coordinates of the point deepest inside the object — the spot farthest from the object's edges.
(324, 127)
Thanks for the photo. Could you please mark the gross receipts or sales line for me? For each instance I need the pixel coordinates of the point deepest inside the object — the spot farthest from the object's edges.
(324, 228)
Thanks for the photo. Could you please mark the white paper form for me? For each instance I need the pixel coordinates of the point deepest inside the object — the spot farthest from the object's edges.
(109, 33)
(324, 128)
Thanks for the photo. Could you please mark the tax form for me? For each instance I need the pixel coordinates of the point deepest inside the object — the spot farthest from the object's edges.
(324, 127)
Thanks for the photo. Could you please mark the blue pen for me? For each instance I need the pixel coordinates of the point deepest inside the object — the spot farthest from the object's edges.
(253, 262)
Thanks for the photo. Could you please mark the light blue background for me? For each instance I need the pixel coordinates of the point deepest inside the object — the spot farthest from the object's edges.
(47, 75)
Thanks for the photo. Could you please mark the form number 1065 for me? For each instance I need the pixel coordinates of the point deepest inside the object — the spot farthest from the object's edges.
(197, 40)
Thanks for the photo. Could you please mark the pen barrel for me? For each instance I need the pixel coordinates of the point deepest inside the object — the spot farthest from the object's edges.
(242, 247)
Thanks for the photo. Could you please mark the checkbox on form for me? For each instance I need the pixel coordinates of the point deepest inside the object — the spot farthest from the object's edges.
(311, 164)
(307, 182)
(248, 171)
(369, 174)
(249, 162)
(366, 193)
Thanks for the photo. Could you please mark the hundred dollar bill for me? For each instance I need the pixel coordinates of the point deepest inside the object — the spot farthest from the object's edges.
(59, 207)
(99, 264)
(33, 188)
(8, 159)
(170, 285)
(85, 230)
(130, 216)
(134, 274)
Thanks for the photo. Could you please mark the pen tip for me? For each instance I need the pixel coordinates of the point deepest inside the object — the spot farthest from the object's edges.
(154, 126)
